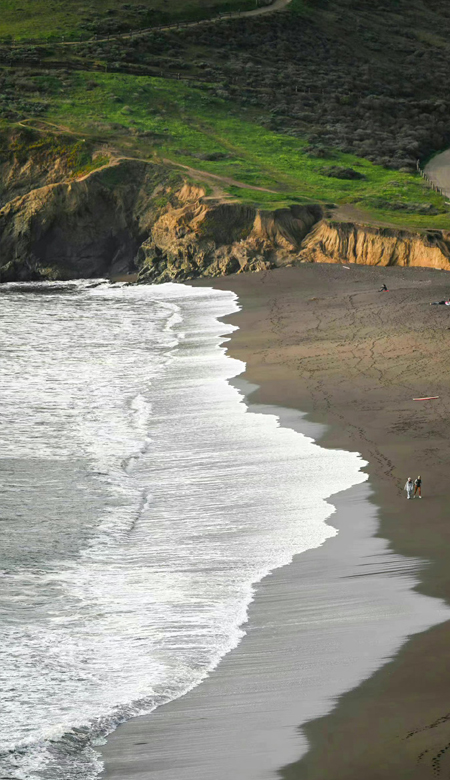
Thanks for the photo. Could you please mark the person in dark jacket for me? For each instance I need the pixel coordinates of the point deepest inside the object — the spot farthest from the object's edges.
(418, 487)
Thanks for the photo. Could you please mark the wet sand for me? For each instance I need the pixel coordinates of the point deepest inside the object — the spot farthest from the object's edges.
(322, 339)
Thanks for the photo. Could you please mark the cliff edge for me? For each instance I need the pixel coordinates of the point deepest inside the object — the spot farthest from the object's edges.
(132, 216)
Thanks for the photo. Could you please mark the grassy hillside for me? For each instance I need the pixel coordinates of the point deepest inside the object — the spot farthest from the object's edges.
(327, 101)
(192, 126)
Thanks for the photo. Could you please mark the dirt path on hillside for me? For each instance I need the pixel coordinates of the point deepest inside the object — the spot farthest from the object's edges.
(438, 171)
(277, 5)
(210, 178)
(347, 212)
(49, 127)
(199, 174)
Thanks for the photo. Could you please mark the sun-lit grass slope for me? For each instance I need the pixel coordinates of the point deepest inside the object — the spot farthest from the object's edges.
(74, 19)
(169, 119)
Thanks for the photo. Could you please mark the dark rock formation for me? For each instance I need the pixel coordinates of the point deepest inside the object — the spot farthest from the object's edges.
(81, 229)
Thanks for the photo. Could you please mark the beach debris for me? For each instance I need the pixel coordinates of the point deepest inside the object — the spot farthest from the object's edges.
(427, 398)
(347, 267)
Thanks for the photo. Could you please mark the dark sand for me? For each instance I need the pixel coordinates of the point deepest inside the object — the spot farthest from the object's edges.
(322, 339)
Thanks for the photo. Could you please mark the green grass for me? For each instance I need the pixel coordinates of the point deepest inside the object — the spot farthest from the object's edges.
(169, 119)
(265, 200)
(74, 19)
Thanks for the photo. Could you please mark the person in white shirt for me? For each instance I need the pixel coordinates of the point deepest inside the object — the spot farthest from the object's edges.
(409, 487)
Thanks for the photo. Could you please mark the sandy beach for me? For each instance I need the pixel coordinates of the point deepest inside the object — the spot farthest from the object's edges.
(322, 339)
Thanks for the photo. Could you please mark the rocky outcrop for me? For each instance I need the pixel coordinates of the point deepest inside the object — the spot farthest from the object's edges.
(202, 238)
(82, 229)
(345, 242)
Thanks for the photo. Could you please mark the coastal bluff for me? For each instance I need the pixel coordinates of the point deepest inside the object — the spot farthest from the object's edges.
(138, 217)
(337, 242)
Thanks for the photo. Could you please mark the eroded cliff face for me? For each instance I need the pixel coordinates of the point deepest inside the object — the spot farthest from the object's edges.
(345, 242)
(139, 217)
(201, 238)
(204, 238)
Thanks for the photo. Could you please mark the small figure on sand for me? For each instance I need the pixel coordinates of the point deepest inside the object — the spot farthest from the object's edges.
(441, 303)
(409, 487)
(383, 289)
(418, 487)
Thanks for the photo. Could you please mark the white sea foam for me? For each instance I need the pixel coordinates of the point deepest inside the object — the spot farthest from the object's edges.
(142, 502)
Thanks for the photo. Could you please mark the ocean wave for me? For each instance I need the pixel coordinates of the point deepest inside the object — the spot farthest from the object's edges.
(156, 503)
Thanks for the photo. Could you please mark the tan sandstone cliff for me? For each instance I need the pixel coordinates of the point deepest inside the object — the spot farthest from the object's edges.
(345, 242)
(204, 238)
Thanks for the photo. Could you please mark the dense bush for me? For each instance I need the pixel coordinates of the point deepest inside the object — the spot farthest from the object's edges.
(392, 109)
(338, 172)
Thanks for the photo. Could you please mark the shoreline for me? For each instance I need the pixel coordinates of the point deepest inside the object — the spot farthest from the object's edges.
(295, 658)
(121, 760)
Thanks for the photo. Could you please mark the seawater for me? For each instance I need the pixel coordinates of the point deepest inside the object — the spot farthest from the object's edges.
(140, 505)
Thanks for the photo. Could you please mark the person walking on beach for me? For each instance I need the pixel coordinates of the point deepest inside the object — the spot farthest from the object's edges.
(409, 487)
(418, 487)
